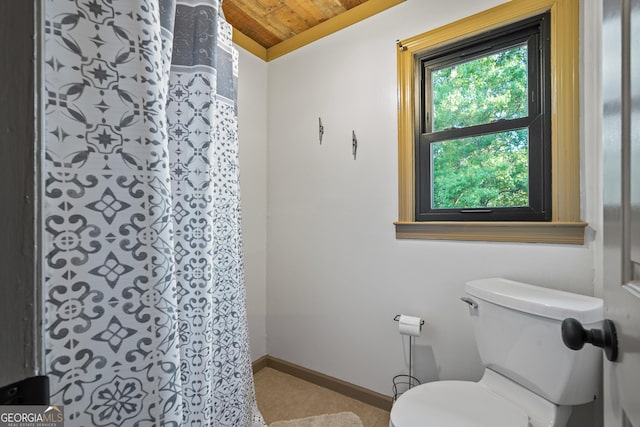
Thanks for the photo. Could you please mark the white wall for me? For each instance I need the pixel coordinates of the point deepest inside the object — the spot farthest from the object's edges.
(324, 291)
(252, 137)
(336, 273)
(591, 105)
(591, 148)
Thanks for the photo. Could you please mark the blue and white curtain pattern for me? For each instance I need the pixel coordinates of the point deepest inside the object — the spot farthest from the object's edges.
(145, 321)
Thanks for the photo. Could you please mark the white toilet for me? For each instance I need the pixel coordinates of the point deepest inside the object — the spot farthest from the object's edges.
(530, 379)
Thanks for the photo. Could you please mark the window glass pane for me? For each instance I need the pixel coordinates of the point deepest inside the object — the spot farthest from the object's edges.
(483, 90)
(483, 171)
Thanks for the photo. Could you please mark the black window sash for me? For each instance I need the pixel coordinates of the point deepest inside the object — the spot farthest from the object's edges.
(535, 33)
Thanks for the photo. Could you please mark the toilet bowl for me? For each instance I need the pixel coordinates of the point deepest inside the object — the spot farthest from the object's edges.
(530, 379)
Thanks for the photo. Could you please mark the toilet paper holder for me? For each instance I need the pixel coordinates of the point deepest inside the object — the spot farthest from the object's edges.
(397, 319)
(406, 380)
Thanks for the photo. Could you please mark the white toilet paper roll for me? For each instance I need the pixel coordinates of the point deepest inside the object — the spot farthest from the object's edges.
(409, 325)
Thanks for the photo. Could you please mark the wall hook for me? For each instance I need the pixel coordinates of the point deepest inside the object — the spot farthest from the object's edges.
(320, 129)
(354, 144)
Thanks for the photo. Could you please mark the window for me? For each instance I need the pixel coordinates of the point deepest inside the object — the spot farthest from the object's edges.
(483, 138)
(543, 200)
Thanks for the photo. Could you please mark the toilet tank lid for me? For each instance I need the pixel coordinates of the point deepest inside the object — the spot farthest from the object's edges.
(536, 300)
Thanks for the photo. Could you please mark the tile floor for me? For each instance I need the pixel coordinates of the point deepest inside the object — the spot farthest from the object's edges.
(284, 397)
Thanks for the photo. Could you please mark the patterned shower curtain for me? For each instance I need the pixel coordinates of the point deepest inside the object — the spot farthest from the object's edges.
(145, 321)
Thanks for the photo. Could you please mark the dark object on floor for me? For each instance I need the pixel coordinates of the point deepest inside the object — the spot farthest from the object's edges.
(30, 391)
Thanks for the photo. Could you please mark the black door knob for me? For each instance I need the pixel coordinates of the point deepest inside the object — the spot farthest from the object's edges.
(574, 336)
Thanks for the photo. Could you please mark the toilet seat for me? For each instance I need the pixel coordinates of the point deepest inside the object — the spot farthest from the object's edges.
(455, 404)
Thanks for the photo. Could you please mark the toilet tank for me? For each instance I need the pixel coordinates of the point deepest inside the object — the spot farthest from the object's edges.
(518, 333)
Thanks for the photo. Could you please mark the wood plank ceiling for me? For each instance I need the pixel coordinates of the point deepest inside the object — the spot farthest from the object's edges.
(270, 22)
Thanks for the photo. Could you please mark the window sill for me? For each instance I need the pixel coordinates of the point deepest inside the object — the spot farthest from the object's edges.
(571, 233)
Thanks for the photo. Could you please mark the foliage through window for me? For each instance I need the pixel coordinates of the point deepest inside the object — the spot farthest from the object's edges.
(483, 137)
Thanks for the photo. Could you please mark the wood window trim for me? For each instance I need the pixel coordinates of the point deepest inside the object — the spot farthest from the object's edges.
(566, 226)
